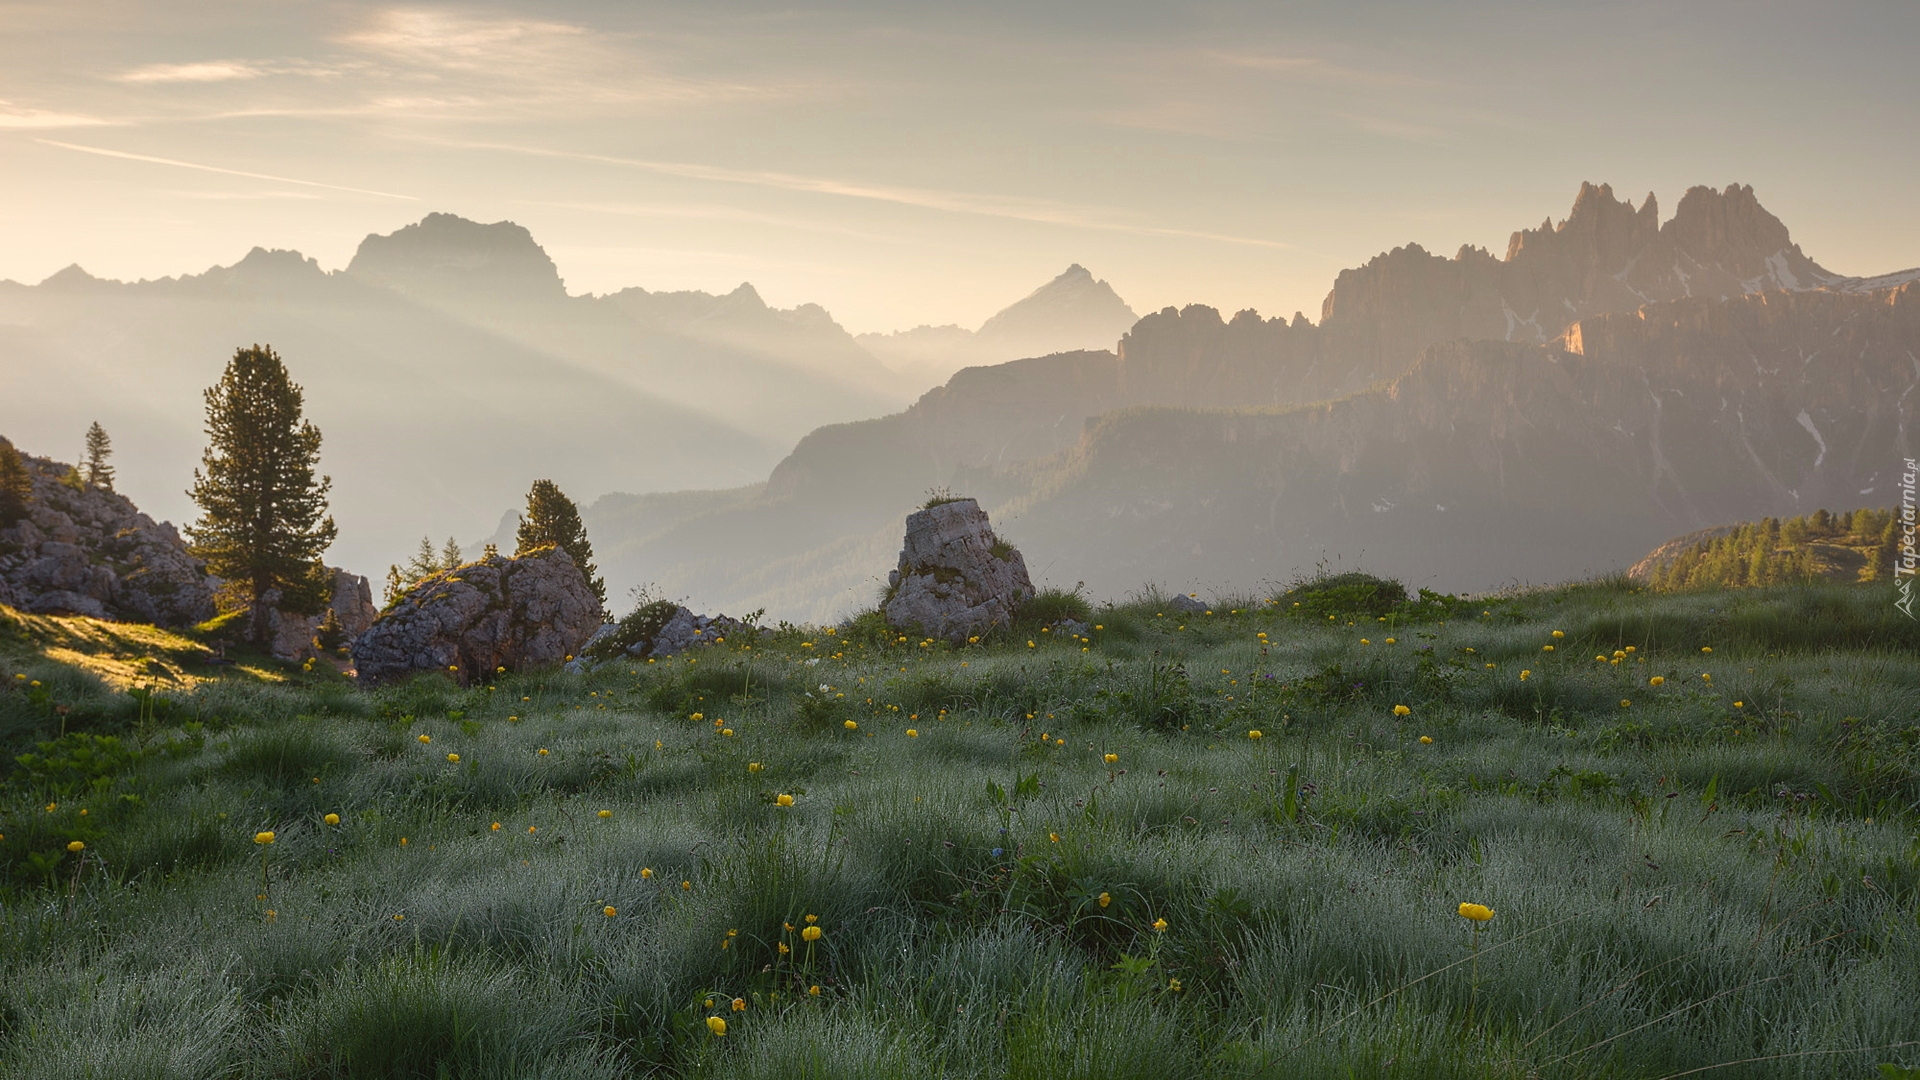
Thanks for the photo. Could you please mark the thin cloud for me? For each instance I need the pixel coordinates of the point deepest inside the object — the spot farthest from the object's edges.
(13, 116)
(924, 198)
(204, 71)
(217, 169)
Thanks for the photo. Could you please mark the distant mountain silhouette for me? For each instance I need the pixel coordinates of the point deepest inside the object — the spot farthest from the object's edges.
(1074, 311)
(448, 368)
(1216, 451)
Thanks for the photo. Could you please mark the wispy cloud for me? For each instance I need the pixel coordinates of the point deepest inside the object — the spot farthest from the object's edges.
(954, 202)
(14, 116)
(494, 61)
(203, 71)
(103, 152)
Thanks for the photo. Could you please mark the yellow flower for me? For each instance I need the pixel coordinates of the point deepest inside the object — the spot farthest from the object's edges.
(1559, 633)
(699, 716)
(453, 667)
(424, 739)
(1401, 710)
(331, 819)
(496, 826)
(1476, 912)
(1626, 703)
(500, 671)
(1105, 899)
(531, 829)
(1391, 641)
(606, 813)
(542, 751)
(686, 886)
(913, 733)
(811, 919)
(1053, 837)
(403, 841)
(716, 1025)
(849, 724)
(646, 871)
(1254, 734)
(814, 990)
(1159, 926)
(1364, 641)
(1706, 676)
(1657, 680)
(1739, 704)
(728, 732)
(513, 719)
(739, 1004)
(454, 758)
(1426, 740)
(1706, 648)
(783, 800)
(1630, 648)
(263, 837)
(1526, 674)
(811, 933)
(76, 845)
(609, 911)
(1546, 648)
(784, 950)
(1110, 758)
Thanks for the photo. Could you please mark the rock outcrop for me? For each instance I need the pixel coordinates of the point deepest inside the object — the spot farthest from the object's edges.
(83, 550)
(956, 578)
(527, 612)
(659, 630)
(291, 636)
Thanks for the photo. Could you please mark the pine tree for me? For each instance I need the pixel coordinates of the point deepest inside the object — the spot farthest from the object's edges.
(395, 589)
(16, 485)
(553, 520)
(425, 561)
(450, 554)
(264, 520)
(97, 472)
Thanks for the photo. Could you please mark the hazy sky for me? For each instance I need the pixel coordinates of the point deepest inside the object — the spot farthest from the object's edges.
(911, 163)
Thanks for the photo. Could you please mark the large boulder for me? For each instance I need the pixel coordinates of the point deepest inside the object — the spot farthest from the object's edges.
(84, 550)
(290, 636)
(956, 578)
(533, 611)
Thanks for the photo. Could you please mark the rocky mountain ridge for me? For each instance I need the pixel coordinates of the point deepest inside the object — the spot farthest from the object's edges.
(999, 432)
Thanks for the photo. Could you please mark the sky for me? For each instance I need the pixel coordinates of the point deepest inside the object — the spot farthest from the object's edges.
(912, 163)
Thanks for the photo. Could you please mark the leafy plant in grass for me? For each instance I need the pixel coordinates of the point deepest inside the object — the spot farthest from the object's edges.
(1049, 606)
(641, 626)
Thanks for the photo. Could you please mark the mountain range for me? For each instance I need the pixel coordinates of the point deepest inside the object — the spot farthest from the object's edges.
(1466, 422)
(448, 367)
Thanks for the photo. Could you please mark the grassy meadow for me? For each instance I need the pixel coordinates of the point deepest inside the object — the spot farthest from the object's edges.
(1230, 844)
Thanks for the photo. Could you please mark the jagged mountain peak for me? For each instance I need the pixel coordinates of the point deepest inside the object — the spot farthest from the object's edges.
(448, 257)
(70, 276)
(1074, 298)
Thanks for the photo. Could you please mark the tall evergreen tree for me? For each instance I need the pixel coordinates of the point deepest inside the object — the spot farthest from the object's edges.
(16, 485)
(264, 520)
(450, 554)
(553, 520)
(96, 472)
(425, 561)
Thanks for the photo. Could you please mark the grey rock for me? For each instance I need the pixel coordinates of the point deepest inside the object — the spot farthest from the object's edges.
(290, 635)
(523, 613)
(89, 551)
(955, 578)
(1185, 604)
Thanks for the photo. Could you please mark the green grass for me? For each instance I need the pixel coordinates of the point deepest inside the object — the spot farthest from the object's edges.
(1681, 882)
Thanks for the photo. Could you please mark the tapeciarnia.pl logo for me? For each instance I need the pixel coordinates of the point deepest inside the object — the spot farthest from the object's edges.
(1906, 558)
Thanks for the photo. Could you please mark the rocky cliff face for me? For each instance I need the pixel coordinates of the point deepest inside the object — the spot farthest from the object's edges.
(955, 578)
(446, 258)
(1606, 256)
(1495, 462)
(85, 551)
(528, 612)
